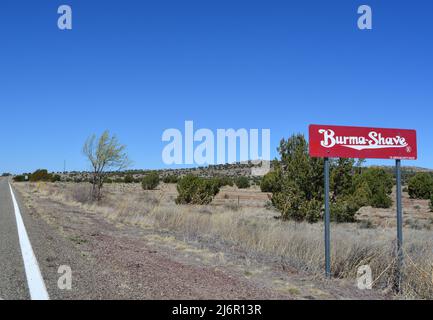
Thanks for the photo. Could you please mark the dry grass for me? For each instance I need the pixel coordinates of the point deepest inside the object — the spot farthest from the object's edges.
(255, 229)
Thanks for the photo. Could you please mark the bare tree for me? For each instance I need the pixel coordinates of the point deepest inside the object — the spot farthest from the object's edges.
(105, 154)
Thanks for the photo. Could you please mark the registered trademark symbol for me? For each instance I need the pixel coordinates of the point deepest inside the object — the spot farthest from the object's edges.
(408, 149)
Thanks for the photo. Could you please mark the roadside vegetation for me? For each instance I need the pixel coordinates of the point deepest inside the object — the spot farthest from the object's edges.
(295, 244)
(150, 181)
(297, 184)
(195, 190)
(104, 154)
(38, 175)
(242, 182)
(421, 186)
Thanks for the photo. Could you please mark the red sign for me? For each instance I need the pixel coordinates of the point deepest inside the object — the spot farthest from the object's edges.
(362, 142)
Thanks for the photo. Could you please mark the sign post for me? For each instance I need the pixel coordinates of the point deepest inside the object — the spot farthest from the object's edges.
(327, 223)
(399, 251)
(363, 143)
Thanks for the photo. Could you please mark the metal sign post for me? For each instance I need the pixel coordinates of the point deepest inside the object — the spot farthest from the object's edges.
(327, 222)
(399, 225)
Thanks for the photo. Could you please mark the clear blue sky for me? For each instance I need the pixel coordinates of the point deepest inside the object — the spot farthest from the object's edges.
(140, 67)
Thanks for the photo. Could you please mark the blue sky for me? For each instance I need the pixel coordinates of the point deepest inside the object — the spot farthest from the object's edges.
(140, 67)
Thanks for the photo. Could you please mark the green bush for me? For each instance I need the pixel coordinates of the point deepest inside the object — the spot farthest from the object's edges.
(242, 182)
(341, 180)
(20, 178)
(128, 179)
(170, 179)
(56, 178)
(195, 190)
(270, 182)
(362, 195)
(311, 210)
(380, 199)
(224, 181)
(150, 181)
(40, 175)
(376, 178)
(376, 184)
(421, 186)
(108, 180)
(296, 182)
(344, 209)
(288, 201)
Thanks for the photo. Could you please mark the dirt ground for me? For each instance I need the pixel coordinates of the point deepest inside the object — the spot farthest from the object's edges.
(136, 262)
(417, 214)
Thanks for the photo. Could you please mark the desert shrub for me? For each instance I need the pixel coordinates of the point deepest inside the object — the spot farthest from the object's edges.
(270, 182)
(288, 201)
(341, 180)
(40, 175)
(376, 178)
(297, 166)
(150, 181)
(242, 182)
(224, 181)
(256, 180)
(421, 186)
(344, 209)
(380, 199)
(431, 203)
(170, 179)
(362, 195)
(128, 179)
(195, 190)
(377, 185)
(6, 174)
(293, 206)
(20, 178)
(296, 182)
(56, 178)
(311, 210)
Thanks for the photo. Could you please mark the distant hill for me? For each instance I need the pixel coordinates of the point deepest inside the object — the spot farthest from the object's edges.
(229, 170)
(407, 169)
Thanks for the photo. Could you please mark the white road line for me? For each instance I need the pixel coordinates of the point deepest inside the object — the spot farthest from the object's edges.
(35, 282)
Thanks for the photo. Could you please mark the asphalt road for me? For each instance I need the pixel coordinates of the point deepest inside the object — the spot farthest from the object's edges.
(13, 283)
(49, 251)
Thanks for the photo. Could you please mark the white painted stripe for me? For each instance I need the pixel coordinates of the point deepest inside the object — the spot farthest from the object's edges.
(35, 282)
